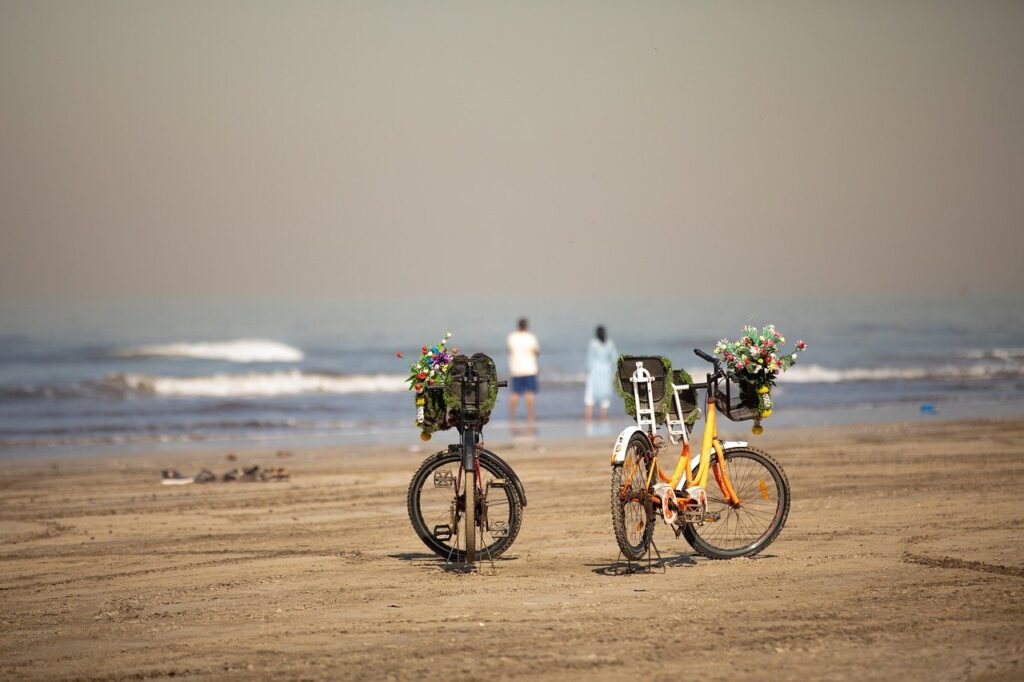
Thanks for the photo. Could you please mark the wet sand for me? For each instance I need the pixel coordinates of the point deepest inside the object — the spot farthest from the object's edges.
(903, 557)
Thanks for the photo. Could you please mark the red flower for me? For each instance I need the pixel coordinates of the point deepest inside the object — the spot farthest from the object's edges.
(424, 350)
(399, 354)
(800, 345)
(421, 375)
(418, 387)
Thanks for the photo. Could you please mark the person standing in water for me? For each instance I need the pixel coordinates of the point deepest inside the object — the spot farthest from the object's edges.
(523, 349)
(602, 358)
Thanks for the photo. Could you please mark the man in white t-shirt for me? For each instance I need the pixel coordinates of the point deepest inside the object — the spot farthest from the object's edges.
(523, 349)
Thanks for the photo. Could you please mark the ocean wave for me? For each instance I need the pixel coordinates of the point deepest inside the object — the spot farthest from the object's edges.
(262, 384)
(226, 386)
(817, 374)
(239, 350)
(1003, 354)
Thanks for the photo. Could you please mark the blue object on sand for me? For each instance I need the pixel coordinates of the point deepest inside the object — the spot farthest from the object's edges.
(927, 408)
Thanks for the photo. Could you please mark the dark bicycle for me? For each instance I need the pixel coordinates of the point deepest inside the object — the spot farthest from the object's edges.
(465, 502)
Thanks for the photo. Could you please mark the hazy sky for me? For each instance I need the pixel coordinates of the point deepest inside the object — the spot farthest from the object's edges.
(338, 148)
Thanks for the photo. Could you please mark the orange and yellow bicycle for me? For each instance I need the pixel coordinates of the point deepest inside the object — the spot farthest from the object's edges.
(728, 500)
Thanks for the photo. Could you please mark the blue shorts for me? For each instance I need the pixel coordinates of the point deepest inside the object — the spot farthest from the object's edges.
(521, 385)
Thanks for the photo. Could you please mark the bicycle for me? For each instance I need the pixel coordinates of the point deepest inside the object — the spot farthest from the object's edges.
(459, 520)
(745, 506)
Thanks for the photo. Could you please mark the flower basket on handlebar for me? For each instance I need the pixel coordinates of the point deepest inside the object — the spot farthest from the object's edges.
(736, 398)
(434, 414)
(427, 377)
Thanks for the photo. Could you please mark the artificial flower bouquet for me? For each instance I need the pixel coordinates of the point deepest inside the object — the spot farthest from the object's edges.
(755, 359)
(431, 370)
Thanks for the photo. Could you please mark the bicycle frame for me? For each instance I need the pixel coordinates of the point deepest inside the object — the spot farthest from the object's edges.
(683, 478)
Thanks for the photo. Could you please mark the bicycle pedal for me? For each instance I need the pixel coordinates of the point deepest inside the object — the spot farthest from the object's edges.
(442, 532)
(498, 529)
(693, 516)
(497, 483)
(444, 479)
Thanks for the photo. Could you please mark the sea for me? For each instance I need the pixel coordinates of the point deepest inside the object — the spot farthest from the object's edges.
(145, 375)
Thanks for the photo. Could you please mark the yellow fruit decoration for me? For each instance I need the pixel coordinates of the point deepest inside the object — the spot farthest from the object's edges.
(425, 436)
(757, 429)
(763, 389)
(766, 414)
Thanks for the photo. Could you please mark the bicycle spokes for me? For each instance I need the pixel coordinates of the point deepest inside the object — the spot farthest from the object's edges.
(437, 506)
(747, 525)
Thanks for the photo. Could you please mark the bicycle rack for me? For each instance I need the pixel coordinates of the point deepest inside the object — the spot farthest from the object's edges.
(646, 419)
(677, 427)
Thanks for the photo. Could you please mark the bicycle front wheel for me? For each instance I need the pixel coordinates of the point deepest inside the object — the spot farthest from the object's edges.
(438, 499)
(745, 529)
(632, 508)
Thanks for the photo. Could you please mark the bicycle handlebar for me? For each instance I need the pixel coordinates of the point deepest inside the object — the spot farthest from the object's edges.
(701, 354)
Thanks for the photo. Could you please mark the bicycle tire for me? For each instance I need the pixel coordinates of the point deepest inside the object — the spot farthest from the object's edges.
(632, 508)
(495, 470)
(469, 515)
(749, 529)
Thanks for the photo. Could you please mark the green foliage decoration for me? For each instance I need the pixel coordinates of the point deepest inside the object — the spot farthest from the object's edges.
(666, 404)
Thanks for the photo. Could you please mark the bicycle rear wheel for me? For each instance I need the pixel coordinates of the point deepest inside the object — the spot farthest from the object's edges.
(632, 509)
(744, 530)
(437, 501)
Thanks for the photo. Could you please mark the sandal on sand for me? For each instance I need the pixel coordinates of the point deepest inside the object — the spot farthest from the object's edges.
(205, 476)
(247, 475)
(253, 473)
(173, 477)
(278, 474)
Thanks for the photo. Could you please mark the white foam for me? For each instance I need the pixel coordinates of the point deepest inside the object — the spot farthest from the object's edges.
(1004, 354)
(816, 374)
(239, 350)
(266, 384)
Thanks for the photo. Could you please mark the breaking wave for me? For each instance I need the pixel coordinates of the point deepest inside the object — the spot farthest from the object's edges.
(295, 382)
(239, 350)
(262, 384)
(249, 385)
(1003, 354)
(816, 374)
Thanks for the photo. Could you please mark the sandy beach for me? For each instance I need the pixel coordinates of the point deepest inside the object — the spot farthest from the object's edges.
(903, 557)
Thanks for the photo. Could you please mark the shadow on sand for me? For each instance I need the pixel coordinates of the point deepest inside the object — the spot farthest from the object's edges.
(656, 561)
(433, 560)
